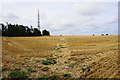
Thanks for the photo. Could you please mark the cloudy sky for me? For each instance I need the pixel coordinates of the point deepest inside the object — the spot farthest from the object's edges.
(65, 18)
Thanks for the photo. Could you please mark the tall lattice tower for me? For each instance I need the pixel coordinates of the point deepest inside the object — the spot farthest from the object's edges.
(38, 21)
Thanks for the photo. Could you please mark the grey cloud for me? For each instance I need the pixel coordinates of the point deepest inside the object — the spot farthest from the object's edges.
(12, 16)
(69, 25)
(89, 8)
(113, 19)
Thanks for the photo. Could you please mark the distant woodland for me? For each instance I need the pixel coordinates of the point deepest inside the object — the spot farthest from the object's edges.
(15, 30)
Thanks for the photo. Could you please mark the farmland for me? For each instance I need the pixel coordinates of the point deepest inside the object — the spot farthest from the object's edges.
(71, 53)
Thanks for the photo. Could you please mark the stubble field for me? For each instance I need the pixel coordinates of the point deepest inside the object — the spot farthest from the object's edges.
(78, 56)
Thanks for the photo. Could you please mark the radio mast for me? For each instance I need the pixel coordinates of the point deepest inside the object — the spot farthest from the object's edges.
(38, 21)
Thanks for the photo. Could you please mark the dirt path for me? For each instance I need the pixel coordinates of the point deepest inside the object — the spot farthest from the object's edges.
(63, 53)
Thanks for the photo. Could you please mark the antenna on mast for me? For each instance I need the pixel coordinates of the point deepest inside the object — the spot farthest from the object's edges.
(38, 21)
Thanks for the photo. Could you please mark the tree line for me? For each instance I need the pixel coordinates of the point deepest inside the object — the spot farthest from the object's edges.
(14, 30)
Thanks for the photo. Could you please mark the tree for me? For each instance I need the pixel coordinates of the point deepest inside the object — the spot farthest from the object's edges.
(21, 30)
(45, 33)
(102, 34)
(3, 28)
(107, 34)
(36, 32)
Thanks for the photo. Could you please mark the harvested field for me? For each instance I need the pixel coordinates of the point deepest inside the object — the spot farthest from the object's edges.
(71, 53)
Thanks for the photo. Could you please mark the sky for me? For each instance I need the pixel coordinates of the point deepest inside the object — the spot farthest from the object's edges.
(64, 18)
